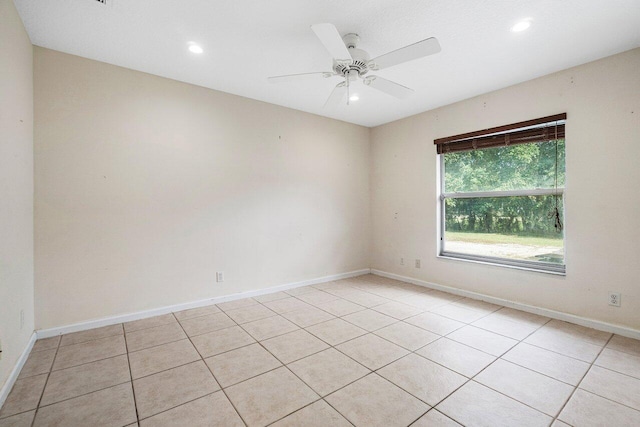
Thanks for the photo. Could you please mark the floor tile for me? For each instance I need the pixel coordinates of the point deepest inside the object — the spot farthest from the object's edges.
(149, 322)
(87, 378)
(316, 297)
(502, 326)
(249, 314)
(235, 304)
(565, 345)
(571, 340)
(196, 312)
(340, 307)
(531, 388)
(168, 389)
(301, 290)
(585, 409)
(625, 345)
(217, 342)
(397, 310)
(271, 297)
(269, 397)
(156, 359)
(269, 327)
(24, 395)
(89, 351)
(593, 336)
(458, 357)
(91, 334)
(238, 365)
(477, 305)
(294, 345)
(459, 313)
(483, 340)
(425, 301)
(433, 418)
(46, 343)
(406, 335)
(109, 407)
(286, 304)
(372, 351)
(152, 337)
(520, 316)
(530, 378)
(318, 414)
(365, 299)
(327, 371)
(209, 323)
(21, 420)
(307, 317)
(366, 403)
(613, 386)
(38, 363)
(476, 405)
(443, 296)
(213, 410)
(618, 361)
(369, 320)
(555, 365)
(434, 323)
(423, 378)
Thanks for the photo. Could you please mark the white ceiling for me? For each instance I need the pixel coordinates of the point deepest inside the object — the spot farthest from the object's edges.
(245, 41)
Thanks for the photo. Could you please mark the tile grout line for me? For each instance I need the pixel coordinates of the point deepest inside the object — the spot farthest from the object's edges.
(294, 374)
(212, 374)
(373, 332)
(35, 414)
(133, 391)
(470, 379)
(582, 379)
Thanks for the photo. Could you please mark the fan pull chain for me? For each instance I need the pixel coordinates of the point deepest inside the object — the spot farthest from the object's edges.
(348, 94)
(555, 213)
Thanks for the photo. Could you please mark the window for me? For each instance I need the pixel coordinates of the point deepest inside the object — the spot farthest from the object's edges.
(502, 195)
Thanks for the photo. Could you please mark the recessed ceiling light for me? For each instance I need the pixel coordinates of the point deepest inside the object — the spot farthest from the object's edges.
(194, 48)
(354, 98)
(521, 26)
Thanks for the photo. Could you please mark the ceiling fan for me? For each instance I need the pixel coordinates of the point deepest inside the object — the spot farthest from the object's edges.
(351, 63)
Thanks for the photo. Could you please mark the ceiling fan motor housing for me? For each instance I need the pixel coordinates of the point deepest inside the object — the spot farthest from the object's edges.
(359, 63)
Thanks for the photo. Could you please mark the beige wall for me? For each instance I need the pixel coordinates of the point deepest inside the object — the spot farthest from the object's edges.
(16, 187)
(145, 187)
(602, 101)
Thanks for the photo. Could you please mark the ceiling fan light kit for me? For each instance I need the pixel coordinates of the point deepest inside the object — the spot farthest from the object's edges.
(352, 64)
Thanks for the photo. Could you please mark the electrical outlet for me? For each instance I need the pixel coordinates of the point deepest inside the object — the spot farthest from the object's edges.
(614, 299)
(21, 319)
(0, 349)
(401, 261)
(417, 263)
(219, 276)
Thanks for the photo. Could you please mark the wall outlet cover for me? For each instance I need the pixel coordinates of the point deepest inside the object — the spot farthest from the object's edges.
(220, 276)
(614, 299)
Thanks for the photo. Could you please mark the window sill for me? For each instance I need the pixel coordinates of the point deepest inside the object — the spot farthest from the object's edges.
(556, 270)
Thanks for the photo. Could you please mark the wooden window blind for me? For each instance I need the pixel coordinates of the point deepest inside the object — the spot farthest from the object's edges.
(537, 130)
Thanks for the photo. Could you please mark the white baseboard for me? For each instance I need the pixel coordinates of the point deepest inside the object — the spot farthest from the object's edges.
(13, 376)
(112, 320)
(582, 321)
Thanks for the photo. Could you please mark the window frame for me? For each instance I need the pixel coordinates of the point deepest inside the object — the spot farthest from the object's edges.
(538, 266)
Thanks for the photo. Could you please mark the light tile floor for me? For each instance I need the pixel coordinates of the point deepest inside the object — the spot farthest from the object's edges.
(366, 351)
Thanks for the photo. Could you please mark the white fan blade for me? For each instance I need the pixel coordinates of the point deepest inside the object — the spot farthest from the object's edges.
(408, 53)
(302, 76)
(330, 38)
(336, 96)
(388, 87)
